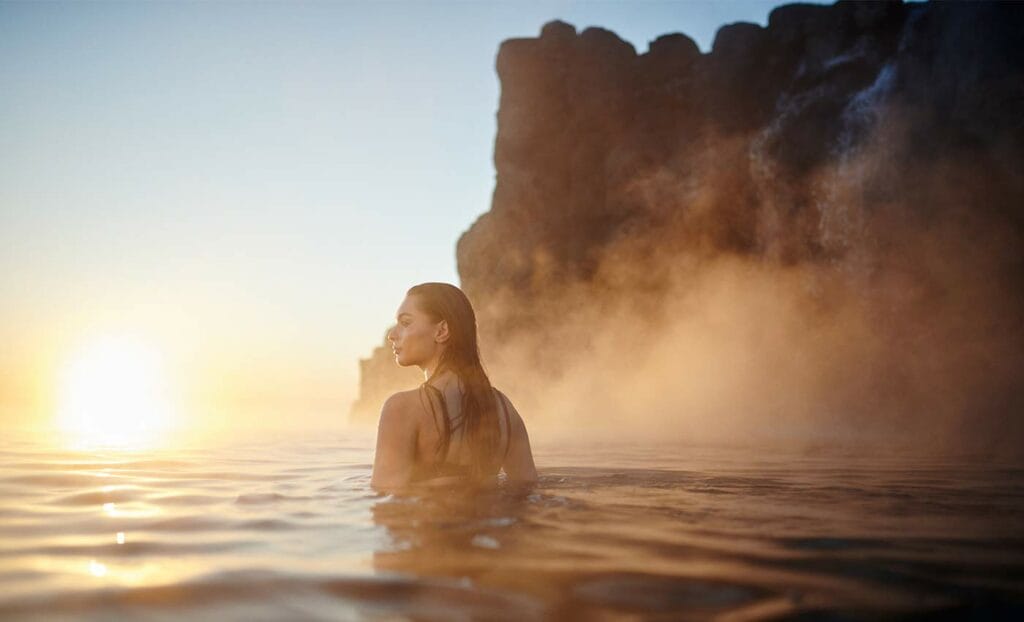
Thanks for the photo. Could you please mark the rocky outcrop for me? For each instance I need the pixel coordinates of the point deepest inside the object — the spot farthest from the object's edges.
(879, 143)
(596, 143)
(379, 377)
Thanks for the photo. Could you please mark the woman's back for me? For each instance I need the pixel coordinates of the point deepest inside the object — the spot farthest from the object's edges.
(426, 416)
(456, 424)
(441, 400)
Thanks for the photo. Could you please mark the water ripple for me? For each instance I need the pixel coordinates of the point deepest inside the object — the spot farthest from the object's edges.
(287, 531)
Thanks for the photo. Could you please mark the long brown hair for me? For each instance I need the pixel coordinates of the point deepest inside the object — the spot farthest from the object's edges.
(478, 414)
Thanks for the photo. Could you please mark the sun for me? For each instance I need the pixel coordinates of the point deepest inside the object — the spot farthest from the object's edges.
(114, 393)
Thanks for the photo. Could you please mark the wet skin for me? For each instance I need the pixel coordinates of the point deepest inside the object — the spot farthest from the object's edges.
(408, 433)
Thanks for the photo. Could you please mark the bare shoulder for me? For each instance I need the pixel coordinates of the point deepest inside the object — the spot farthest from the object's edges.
(513, 414)
(402, 399)
(401, 406)
(518, 463)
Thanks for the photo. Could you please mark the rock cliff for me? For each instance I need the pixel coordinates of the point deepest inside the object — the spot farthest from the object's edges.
(854, 171)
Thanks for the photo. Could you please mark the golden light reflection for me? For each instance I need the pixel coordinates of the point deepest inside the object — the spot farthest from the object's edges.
(131, 510)
(135, 574)
(129, 571)
(114, 393)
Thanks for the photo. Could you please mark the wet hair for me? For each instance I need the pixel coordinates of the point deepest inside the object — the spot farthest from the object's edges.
(478, 415)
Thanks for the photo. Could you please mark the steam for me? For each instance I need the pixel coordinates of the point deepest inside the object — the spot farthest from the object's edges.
(887, 317)
(812, 233)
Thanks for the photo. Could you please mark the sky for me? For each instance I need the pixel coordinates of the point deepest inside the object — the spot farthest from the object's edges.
(245, 190)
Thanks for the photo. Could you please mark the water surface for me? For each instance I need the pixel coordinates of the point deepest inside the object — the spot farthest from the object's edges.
(289, 529)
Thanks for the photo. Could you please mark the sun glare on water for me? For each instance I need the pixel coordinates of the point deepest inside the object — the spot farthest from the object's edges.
(114, 393)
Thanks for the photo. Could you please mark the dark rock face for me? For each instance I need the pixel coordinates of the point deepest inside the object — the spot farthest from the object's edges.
(583, 117)
(876, 148)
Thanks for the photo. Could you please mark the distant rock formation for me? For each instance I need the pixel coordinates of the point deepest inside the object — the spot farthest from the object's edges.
(880, 143)
(379, 377)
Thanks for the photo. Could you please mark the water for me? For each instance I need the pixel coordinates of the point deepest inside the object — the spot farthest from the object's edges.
(290, 530)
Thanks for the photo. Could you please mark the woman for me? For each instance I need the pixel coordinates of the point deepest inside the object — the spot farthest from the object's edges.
(455, 427)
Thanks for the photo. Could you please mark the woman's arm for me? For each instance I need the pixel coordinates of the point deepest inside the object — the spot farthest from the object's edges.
(519, 462)
(395, 456)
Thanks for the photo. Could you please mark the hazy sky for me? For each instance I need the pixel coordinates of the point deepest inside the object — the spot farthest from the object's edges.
(249, 188)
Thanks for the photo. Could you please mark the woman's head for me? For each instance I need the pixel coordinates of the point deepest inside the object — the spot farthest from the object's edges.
(436, 329)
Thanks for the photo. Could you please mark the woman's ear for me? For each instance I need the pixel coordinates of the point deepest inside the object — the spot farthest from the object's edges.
(441, 335)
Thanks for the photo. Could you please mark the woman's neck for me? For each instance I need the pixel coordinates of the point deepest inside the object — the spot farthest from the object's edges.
(442, 378)
(432, 367)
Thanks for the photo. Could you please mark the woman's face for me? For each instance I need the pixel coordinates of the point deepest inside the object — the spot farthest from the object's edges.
(414, 339)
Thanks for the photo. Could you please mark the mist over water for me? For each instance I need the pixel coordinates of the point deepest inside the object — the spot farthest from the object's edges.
(811, 234)
(917, 345)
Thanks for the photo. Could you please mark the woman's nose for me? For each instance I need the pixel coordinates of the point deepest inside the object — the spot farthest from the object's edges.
(391, 335)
